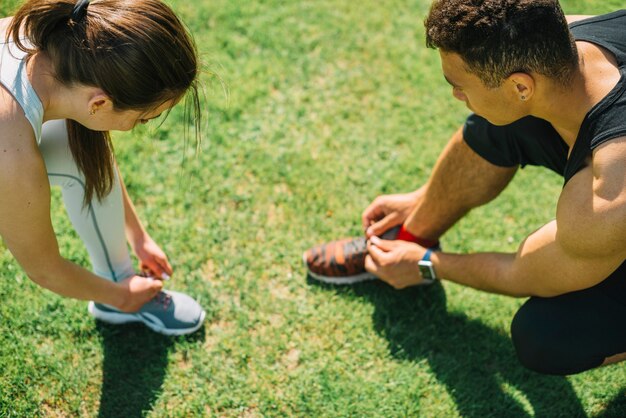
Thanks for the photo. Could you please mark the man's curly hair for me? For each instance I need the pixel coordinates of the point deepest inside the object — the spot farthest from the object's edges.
(496, 38)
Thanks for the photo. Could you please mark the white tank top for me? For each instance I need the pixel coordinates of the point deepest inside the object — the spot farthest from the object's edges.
(14, 78)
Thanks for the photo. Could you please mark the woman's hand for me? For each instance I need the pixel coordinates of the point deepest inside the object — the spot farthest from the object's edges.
(152, 260)
(138, 291)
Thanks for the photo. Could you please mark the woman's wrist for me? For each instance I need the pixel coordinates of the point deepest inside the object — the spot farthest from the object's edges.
(118, 296)
(137, 237)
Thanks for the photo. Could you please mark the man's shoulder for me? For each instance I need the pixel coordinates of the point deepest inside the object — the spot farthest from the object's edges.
(591, 212)
(608, 170)
(575, 18)
(609, 158)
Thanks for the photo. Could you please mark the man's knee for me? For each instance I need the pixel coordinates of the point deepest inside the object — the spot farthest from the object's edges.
(543, 339)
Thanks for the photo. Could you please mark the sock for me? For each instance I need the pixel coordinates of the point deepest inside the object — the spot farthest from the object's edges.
(405, 235)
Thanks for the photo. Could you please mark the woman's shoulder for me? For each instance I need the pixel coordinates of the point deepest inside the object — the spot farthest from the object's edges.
(4, 25)
(16, 131)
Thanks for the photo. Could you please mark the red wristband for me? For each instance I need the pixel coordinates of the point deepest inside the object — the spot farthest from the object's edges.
(405, 235)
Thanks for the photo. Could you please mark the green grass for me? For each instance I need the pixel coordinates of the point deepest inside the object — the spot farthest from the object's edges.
(328, 104)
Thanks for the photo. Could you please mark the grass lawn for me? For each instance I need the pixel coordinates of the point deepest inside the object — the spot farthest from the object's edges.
(317, 107)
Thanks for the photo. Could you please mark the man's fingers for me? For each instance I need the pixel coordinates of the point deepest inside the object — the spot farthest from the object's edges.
(380, 227)
(370, 215)
(383, 244)
(371, 266)
(376, 253)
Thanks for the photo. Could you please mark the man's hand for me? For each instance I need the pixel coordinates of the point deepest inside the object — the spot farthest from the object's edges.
(387, 211)
(152, 260)
(139, 290)
(395, 262)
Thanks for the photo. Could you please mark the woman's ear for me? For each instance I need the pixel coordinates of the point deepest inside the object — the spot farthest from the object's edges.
(98, 100)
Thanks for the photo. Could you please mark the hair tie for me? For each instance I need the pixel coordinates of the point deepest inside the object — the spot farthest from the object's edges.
(80, 10)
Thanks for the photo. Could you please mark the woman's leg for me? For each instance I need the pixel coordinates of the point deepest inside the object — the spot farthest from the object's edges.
(100, 224)
(573, 332)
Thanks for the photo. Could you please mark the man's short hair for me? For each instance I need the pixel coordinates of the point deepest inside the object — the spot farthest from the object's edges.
(496, 38)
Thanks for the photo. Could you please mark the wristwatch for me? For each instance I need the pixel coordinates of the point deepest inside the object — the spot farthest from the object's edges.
(426, 267)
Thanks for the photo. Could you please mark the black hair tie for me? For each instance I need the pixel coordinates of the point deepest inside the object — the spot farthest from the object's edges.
(80, 10)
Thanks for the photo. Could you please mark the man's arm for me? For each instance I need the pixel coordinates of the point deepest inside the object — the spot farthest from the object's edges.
(585, 244)
(460, 181)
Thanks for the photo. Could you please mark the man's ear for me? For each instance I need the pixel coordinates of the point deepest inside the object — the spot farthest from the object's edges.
(522, 85)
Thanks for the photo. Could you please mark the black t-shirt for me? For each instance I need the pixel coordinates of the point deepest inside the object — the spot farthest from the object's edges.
(534, 141)
(607, 119)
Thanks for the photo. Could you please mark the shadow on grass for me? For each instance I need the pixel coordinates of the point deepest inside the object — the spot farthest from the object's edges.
(616, 407)
(134, 367)
(477, 364)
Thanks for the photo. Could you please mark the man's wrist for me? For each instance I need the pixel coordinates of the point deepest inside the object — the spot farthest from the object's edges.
(427, 270)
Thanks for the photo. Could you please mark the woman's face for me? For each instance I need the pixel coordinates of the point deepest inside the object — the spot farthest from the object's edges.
(105, 118)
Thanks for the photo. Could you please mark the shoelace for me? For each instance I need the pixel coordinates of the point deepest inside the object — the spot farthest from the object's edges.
(163, 299)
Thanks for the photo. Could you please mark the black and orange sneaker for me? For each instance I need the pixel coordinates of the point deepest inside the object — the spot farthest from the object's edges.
(341, 261)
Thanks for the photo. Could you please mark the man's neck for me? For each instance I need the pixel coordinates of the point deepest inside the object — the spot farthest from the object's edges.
(565, 107)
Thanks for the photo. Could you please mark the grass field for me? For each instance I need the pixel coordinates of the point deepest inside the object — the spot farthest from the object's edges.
(317, 107)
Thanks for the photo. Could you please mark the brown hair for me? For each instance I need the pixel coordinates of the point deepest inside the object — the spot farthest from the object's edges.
(137, 51)
(496, 38)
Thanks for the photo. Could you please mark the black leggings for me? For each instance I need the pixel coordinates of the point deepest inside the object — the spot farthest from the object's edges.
(573, 332)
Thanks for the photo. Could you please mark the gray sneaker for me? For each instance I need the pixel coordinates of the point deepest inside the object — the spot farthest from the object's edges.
(168, 313)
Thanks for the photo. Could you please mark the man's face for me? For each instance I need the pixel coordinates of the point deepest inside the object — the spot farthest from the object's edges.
(498, 105)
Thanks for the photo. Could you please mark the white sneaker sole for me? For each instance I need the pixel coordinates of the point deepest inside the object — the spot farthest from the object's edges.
(148, 320)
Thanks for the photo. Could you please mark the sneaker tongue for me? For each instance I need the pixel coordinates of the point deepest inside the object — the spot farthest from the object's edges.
(391, 234)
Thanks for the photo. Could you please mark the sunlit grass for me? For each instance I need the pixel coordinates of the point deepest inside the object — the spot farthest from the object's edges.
(328, 104)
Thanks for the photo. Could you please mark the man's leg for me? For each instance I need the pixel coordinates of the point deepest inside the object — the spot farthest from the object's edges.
(461, 180)
(478, 162)
(573, 332)
(476, 166)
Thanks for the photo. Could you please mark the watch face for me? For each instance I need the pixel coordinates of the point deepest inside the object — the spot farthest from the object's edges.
(426, 270)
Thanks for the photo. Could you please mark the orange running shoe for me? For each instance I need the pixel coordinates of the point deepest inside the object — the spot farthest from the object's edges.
(341, 261)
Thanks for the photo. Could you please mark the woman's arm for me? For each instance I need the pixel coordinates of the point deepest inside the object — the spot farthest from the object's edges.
(151, 257)
(27, 231)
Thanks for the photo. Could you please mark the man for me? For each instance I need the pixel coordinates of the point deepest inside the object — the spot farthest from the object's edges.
(541, 93)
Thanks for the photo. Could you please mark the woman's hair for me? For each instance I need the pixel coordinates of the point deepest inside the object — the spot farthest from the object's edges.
(137, 51)
(496, 38)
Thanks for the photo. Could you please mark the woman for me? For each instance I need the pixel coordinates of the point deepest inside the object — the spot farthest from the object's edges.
(69, 73)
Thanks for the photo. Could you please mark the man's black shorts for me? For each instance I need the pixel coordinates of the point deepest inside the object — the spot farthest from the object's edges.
(527, 141)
